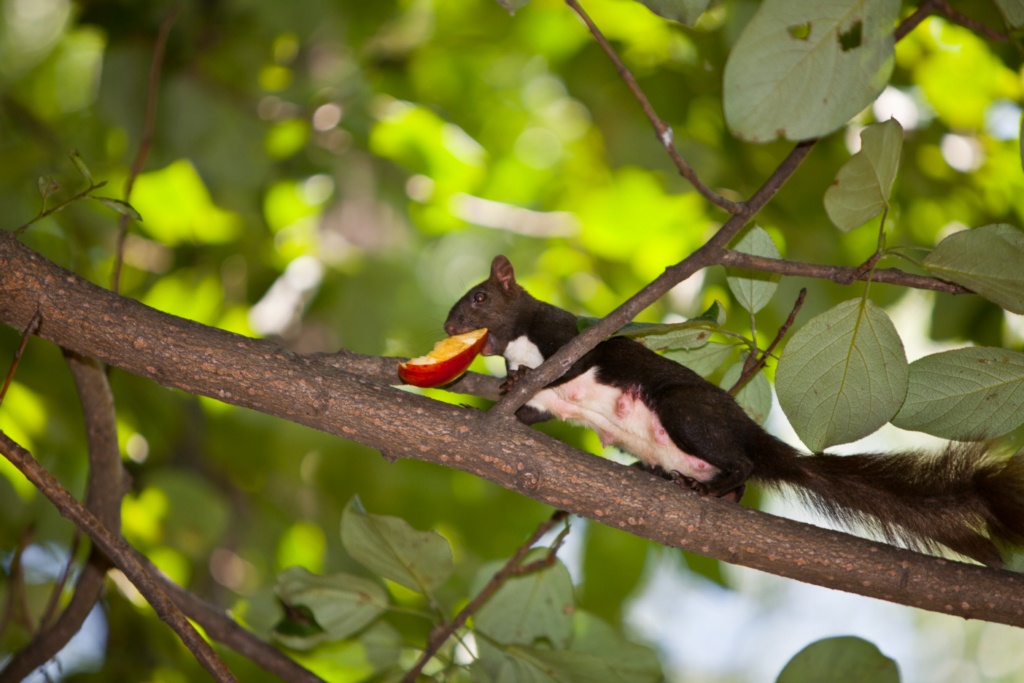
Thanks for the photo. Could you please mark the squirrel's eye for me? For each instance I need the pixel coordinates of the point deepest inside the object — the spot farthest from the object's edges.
(479, 297)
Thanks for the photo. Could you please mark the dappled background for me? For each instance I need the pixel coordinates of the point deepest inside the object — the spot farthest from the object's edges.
(335, 173)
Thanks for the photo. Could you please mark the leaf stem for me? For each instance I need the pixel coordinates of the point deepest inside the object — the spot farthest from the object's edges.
(60, 207)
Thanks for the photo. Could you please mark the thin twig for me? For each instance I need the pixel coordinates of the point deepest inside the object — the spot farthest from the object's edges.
(662, 129)
(514, 567)
(119, 553)
(755, 362)
(923, 11)
(709, 254)
(16, 604)
(30, 329)
(843, 275)
(60, 207)
(981, 29)
(146, 142)
(104, 492)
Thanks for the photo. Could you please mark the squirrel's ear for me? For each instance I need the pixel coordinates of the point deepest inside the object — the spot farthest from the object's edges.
(502, 272)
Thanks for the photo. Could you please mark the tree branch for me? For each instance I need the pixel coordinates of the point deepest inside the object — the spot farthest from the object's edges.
(842, 275)
(118, 552)
(103, 499)
(513, 567)
(709, 254)
(257, 374)
(662, 129)
(218, 625)
(148, 129)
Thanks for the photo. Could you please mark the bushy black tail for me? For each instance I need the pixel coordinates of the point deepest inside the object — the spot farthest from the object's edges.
(967, 497)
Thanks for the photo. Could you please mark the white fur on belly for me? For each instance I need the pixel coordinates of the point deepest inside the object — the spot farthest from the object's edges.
(620, 419)
(521, 352)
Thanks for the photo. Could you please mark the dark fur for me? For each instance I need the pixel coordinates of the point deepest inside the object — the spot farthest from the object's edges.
(965, 498)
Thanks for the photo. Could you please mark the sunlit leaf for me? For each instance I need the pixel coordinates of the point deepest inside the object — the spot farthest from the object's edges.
(842, 375)
(862, 187)
(419, 560)
(840, 660)
(340, 604)
(753, 289)
(179, 208)
(961, 75)
(353, 659)
(966, 394)
(803, 68)
(986, 259)
(527, 607)
(302, 545)
(683, 11)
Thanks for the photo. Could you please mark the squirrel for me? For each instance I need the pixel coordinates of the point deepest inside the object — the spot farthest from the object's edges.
(681, 426)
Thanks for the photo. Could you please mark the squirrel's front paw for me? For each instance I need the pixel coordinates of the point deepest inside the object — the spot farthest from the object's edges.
(513, 377)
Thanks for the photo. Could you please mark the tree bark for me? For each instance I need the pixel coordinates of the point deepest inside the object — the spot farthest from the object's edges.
(257, 374)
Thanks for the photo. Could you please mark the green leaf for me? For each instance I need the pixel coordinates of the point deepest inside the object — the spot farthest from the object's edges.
(687, 335)
(684, 11)
(123, 208)
(690, 334)
(844, 659)
(419, 560)
(755, 396)
(715, 314)
(803, 68)
(1013, 12)
(862, 187)
(986, 259)
(180, 209)
(625, 660)
(753, 290)
(383, 645)
(47, 186)
(79, 163)
(967, 394)
(704, 360)
(842, 375)
(522, 664)
(341, 604)
(525, 608)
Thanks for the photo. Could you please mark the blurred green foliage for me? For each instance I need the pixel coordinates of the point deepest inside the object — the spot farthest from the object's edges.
(334, 173)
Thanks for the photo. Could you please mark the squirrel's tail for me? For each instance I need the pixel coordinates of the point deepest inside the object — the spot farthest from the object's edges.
(967, 497)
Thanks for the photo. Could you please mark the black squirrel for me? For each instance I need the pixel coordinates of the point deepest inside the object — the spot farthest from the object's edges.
(683, 427)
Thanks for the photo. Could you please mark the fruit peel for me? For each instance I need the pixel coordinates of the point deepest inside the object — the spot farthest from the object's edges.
(449, 358)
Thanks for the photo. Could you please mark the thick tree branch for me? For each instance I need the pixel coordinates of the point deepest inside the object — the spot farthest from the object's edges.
(257, 374)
